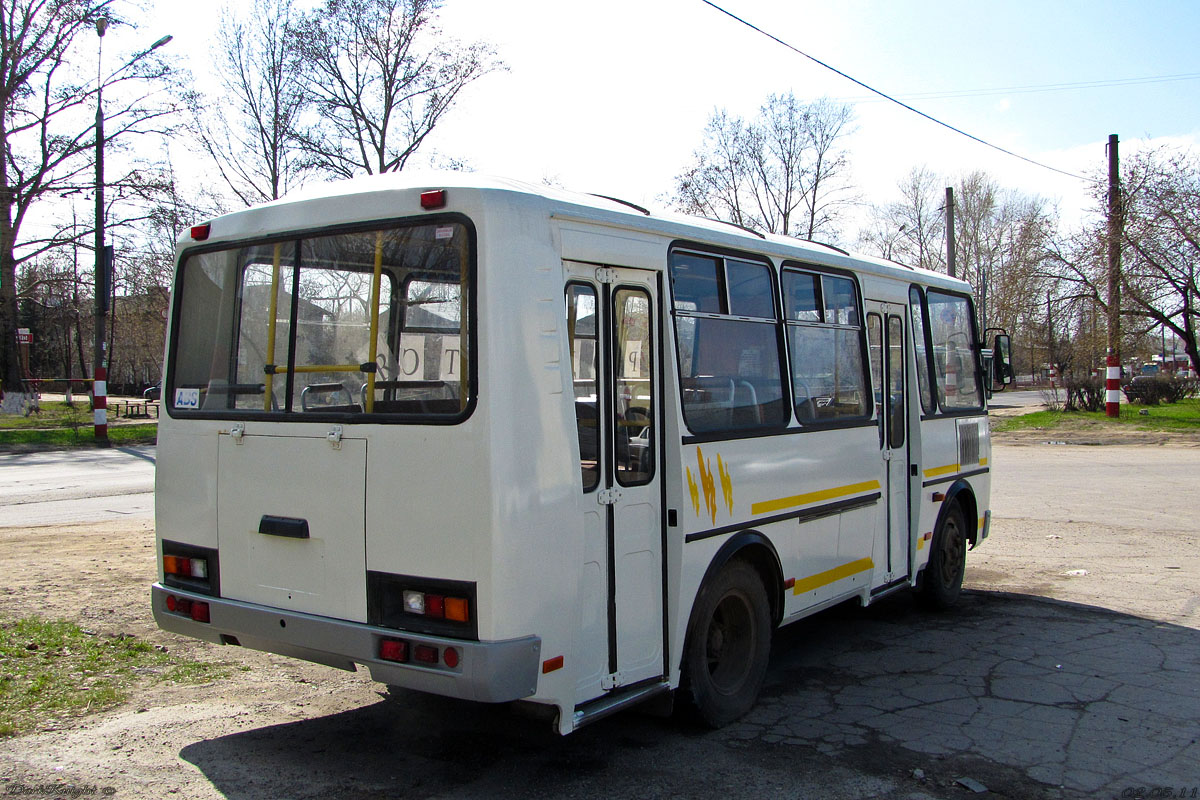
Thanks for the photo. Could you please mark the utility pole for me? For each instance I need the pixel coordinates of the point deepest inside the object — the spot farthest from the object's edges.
(950, 230)
(100, 368)
(1112, 384)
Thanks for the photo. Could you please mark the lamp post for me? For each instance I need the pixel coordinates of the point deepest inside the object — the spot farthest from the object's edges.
(103, 256)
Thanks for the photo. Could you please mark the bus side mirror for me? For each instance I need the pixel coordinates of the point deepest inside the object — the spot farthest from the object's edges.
(1000, 373)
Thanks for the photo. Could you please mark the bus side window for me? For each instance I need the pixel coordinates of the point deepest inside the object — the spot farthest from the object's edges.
(581, 330)
(825, 339)
(920, 335)
(726, 330)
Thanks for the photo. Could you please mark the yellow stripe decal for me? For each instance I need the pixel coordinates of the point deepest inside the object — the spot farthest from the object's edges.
(933, 472)
(768, 506)
(983, 462)
(830, 575)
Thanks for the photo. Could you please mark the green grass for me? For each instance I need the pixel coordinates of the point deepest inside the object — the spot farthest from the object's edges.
(53, 415)
(1181, 416)
(79, 436)
(52, 668)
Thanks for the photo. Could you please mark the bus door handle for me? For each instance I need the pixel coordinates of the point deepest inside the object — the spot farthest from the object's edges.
(283, 526)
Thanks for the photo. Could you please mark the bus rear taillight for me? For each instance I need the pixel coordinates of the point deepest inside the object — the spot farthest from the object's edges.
(436, 606)
(187, 567)
(186, 607)
(393, 650)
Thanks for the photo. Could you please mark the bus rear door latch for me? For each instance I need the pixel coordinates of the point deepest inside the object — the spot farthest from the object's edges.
(608, 497)
(335, 437)
(237, 432)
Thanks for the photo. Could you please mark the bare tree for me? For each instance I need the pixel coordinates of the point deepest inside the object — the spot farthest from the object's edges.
(783, 172)
(381, 76)
(912, 230)
(249, 130)
(1160, 271)
(47, 135)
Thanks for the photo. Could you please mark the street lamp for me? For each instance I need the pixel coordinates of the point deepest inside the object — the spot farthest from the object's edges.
(103, 257)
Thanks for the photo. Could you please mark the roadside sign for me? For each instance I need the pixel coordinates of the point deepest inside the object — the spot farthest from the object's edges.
(24, 336)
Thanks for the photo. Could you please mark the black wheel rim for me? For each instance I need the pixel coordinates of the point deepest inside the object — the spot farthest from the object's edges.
(729, 644)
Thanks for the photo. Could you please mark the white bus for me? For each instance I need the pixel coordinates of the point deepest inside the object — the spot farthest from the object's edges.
(507, 443)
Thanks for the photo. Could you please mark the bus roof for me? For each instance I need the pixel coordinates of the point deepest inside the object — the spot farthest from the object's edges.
(374, 198)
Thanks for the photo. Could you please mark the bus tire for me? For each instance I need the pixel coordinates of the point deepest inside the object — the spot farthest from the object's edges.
(942, 581)
(728, 645)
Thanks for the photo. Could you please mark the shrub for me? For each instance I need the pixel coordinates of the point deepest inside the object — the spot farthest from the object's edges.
(1084, 394)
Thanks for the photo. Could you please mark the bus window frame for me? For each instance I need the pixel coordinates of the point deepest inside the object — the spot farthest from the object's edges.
(939, 411)
(703, 250)
(295, 236)
(861, 420)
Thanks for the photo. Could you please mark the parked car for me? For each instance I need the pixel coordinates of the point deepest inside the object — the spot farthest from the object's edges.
(154, 392)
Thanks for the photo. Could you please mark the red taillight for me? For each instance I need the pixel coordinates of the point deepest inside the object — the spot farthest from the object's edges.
(200, 232)
(433, 200)
(200, 611)
(393, 650)
(435, 606)
(450, 657)
(170, 603)
(425, 653)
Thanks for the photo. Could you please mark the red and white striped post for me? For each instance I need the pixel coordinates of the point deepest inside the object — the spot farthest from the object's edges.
(1053, 375)
(100, 404)
(1112, 387)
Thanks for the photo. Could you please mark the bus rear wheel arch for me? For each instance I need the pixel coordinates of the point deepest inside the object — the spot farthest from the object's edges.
(728, 644)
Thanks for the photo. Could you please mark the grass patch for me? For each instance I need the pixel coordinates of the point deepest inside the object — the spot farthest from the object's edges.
(53, 415)
(53, 668)
(1181, 416)
(81, 436)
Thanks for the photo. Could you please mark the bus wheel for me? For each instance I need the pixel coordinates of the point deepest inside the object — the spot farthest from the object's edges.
(942, 582)
(725, 659)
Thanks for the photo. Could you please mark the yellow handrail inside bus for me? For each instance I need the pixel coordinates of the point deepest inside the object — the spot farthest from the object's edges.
(369, 400)
(271, 328)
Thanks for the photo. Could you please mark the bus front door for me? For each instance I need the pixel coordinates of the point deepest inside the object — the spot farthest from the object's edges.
(615, 357)
(885, 332)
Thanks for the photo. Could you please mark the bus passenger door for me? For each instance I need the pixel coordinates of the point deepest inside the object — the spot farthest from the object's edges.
(617, 413)
(885, 332)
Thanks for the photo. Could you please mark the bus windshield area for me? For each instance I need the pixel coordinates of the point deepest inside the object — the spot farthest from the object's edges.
(360, 322)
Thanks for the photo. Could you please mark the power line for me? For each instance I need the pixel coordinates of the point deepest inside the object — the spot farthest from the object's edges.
(886, 96)
(1043, 87)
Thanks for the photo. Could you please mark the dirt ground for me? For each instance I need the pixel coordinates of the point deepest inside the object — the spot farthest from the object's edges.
(152, 745)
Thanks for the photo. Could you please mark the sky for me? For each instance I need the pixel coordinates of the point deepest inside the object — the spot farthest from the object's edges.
(612, 97)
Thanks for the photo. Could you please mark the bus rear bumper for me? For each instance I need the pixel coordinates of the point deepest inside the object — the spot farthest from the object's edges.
(490, 672)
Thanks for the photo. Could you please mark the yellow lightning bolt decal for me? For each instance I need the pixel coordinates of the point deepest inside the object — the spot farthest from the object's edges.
(694, 491)
(706, 482)
(726, 483)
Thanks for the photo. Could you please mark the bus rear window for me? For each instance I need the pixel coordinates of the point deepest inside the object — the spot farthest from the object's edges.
(368, 322)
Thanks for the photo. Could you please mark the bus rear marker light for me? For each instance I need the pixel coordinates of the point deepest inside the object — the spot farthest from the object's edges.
(552, 664)
(450, 657)
(200, 232)
(426, 654)
(433, 199)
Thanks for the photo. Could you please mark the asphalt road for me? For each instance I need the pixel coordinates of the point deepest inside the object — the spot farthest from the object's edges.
(54, 487)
